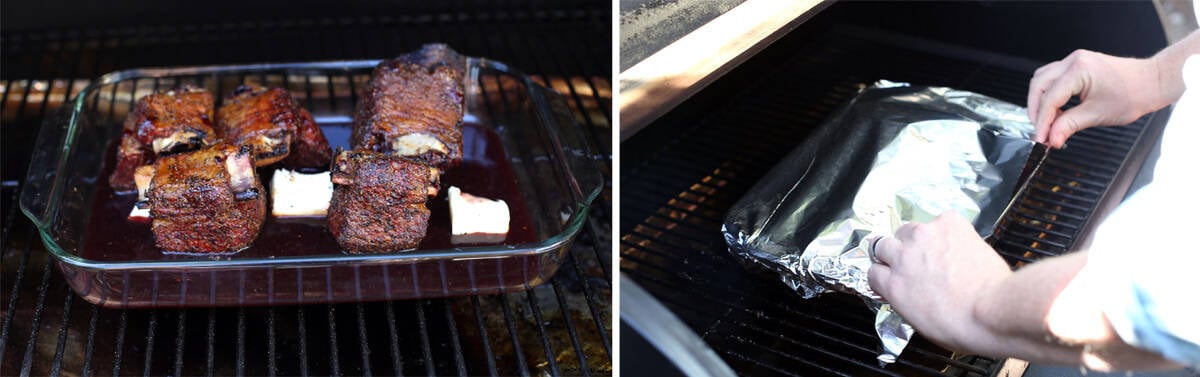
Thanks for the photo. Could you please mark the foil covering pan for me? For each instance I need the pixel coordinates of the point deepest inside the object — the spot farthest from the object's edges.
(894, 154)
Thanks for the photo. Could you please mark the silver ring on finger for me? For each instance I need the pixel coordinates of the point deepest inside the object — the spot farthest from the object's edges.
(871, 244)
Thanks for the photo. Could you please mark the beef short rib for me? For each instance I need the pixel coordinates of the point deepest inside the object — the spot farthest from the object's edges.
(413, 107)
(274, 125)
(378, 202)
(207, 201)
(174, 121)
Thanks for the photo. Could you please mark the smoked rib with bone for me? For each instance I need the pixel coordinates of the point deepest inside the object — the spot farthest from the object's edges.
(413, 107)
(275, 126)
(174, 121)
(407, 128)
(207, 201)
(378, 202)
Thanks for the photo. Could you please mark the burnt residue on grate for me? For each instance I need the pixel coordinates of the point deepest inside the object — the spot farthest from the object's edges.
(559, 327)
(682, 173)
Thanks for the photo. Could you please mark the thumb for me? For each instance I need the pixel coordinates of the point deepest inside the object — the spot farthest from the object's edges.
(1075, 119)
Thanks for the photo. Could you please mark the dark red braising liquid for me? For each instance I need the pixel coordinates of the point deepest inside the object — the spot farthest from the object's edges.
(485, 171)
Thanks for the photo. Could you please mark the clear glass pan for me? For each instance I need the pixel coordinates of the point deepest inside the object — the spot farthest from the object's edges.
(544, 151)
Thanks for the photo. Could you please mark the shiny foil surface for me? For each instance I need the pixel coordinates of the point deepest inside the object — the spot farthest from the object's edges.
(894, 154)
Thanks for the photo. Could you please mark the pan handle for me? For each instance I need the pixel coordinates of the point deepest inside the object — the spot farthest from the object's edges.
(571, 143)
(42, 179)
(579, 152)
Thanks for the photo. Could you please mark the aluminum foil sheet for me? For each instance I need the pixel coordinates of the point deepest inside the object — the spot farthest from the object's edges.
(894, 154)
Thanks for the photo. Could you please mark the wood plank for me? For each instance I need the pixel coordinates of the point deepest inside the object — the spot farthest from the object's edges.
(664, 80)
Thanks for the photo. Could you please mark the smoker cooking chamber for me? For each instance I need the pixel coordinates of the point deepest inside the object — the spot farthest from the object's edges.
(682, 172)
(560, 327)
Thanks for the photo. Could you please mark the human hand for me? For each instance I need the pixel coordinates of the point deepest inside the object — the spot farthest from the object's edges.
(1112, 91)
(932, 274)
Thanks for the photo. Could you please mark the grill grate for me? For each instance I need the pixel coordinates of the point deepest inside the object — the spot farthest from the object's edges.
(682, 174)
(557, 328)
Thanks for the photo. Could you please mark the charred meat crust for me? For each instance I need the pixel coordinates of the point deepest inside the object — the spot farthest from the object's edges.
(360, 232)
(262, 118)
(274, 124)
(310, 149)
(174, 121)
(378, 202)
(434, 54)
(196, 206)
(419, 93)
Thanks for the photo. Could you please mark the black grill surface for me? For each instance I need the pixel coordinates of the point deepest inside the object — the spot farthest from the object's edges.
(560, 327)
(681, 174)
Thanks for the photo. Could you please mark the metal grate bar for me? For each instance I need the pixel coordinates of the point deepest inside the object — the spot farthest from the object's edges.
(423, 327)
(562, 305)
(558, 69)
(598, 252)
(333, 341)
(210, 358)
(636, 198)
(1027, 248)
(7, 89)
(522, 367)
(12, 209)
(541, 327)
(1029, 213)
(362, 337)
(271, 367)
(24, 99)
(1057, 246)
(1040, 236)
(151, 326)
(1014, 259)
(180, 335)
(302, 338)
(452, 328)
(240, 364)
(12, 299)
(754, 361)
(751, 344)
(580, 65)
(656, 178)
(1056, 170)
(1047, 196)
(27, 363)
(90, 349)
(1109, 136)
(1098, 166)
(591, 301)
(118, 350)
(678, 167)
(868, 351)
(397, 361)
(59, 71)
(487, 348)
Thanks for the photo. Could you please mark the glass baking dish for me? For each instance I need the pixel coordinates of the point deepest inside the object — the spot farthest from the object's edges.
(519, 136)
